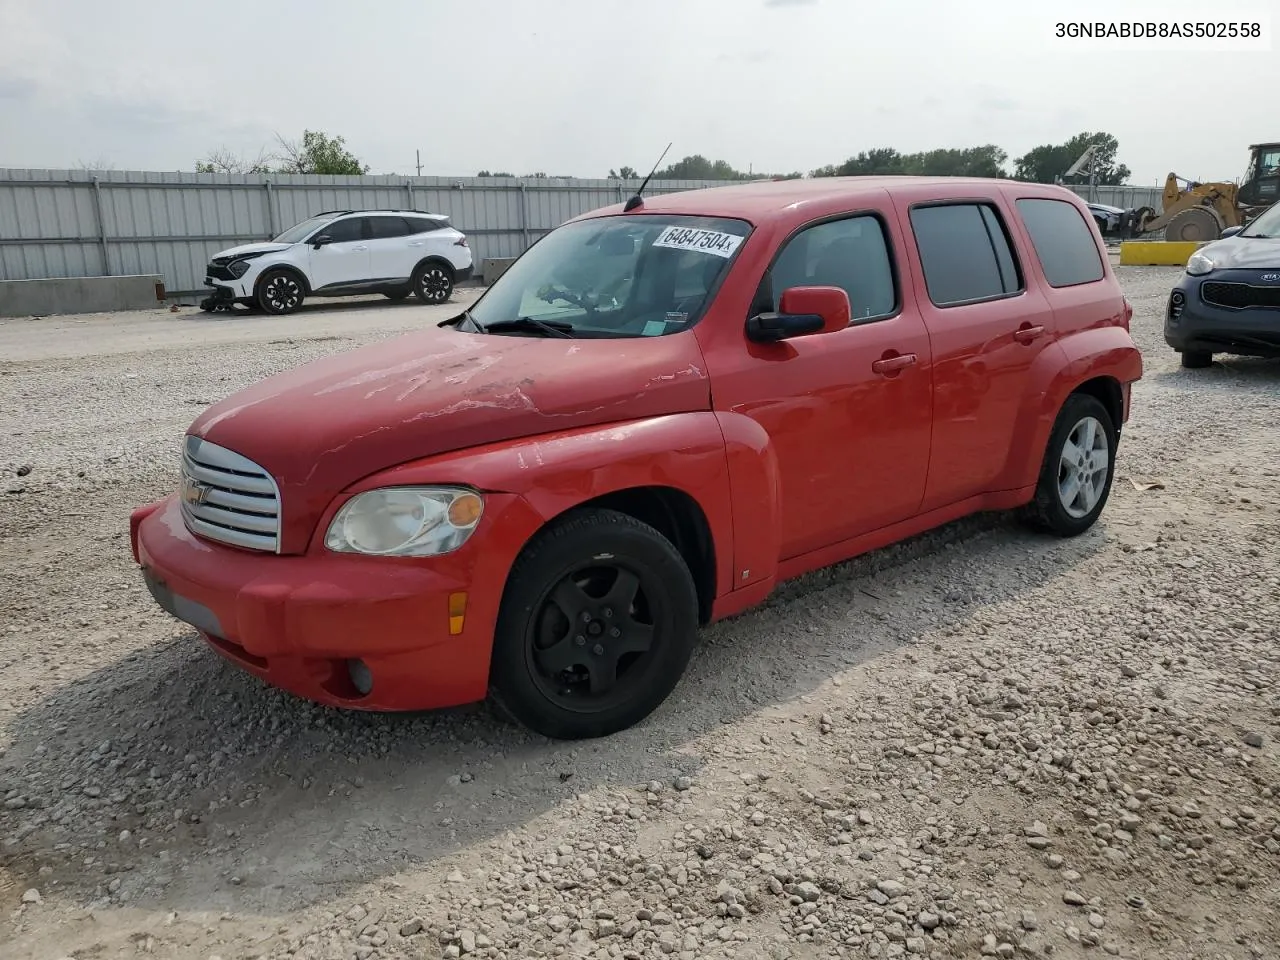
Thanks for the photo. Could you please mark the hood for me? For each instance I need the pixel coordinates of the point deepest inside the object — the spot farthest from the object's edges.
(232, 252)
(325, 425)
(1244, 253)
(1104, 208)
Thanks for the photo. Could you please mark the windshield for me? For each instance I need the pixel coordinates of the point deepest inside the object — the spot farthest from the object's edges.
(297, 233)
(1267, 225)
(626, 276)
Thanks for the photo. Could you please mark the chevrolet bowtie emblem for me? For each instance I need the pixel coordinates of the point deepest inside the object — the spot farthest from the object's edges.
(193, 492)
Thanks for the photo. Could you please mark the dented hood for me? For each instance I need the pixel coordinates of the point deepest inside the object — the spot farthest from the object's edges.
(321, 427)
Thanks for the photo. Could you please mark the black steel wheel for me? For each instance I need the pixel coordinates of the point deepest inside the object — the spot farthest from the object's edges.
(597, 625)
(280, 292)
(433, 283)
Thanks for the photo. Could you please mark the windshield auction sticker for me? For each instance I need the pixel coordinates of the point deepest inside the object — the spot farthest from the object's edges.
(704, 241)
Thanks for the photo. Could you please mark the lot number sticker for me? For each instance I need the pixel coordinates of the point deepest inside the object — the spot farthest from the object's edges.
(704, 241)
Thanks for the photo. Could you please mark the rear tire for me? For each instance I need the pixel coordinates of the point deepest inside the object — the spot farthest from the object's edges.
(597, 625)
(280, 292)
(1079, 465)
(1196, 359)
(433, 283)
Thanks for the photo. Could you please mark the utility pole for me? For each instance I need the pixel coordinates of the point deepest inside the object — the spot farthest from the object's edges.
(419, 153)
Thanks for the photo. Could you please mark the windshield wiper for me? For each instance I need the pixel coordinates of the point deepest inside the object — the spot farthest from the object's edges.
(555, 328)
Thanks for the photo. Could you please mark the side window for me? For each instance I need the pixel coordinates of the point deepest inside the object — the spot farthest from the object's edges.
(344, 231)
(966, 253)
(1062, 240)
(422, 225)
(387, 228)
(852, 254)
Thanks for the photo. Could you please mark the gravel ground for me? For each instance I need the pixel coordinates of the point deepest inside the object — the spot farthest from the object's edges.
(978, 743)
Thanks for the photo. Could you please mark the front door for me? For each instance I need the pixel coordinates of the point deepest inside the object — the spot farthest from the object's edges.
(851, 431)
(344, 260)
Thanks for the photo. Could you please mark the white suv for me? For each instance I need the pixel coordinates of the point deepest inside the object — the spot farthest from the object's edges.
(343, 253)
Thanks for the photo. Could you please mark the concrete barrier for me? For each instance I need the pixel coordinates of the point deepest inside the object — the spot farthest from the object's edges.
(1158, 253)
(41, 298)
(494, 267)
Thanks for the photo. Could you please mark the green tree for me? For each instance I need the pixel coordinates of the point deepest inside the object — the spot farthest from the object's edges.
(624, 173)
(1044, 164)
(486, 173)
(984, 161)
(318, 153)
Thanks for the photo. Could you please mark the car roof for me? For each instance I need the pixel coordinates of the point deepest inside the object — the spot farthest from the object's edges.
(770, 200)
(390, 210)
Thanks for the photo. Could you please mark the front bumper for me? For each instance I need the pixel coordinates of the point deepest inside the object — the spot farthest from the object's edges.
(1199, 326)
(297, 622)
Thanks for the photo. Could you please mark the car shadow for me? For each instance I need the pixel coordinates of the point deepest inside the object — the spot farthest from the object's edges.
(462, 296)
(238, 797)
(1228, 370)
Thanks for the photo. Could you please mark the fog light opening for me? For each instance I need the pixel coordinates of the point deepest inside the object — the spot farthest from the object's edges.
(360, 676)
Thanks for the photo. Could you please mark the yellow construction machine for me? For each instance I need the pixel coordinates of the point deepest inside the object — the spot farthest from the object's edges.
(1201, 211)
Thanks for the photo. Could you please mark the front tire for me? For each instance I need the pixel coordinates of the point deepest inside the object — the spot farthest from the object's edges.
(1078, 469)
(1196, 359)
(280, 292)
(596, 627)
(433, 283)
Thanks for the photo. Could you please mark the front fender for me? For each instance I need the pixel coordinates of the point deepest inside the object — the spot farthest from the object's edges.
(1073, 360)
(556, 472)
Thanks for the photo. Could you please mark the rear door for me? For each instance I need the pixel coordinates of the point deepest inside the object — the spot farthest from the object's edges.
(390, 255)
(988, 321)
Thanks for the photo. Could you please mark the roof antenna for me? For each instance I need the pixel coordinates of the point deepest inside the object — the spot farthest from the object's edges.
(638, 200)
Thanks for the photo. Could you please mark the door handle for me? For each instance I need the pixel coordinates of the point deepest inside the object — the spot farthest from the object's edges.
(1026, 333)
(889, 366)
(362, 247)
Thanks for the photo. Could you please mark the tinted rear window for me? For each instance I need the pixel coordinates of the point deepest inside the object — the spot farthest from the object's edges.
(1063, 242)
(965, 252)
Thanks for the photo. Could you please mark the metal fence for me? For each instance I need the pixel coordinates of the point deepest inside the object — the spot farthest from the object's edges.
(73, 223)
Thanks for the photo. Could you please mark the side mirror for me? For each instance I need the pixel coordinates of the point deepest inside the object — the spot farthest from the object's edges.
(802, 311)
(1230, 232)
(321, 241)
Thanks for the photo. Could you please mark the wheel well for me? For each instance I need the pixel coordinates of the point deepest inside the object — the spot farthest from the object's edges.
(1107, 391)
(677, 516)
(453, 274)
(287, 268)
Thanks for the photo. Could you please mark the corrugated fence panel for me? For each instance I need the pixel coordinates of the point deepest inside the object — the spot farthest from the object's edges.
(171, 223)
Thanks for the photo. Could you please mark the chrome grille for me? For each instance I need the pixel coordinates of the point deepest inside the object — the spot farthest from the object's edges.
(229, 498)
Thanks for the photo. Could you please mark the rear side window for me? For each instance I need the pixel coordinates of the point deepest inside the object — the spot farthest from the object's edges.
(387, 228)
(424, 224)
(1062, 240)
(852, 254)
(966, 253)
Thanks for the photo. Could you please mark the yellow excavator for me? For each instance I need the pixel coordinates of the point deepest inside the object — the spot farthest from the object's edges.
(1201, 211)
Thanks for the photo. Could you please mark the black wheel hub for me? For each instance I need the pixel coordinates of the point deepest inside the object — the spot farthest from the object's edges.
(592, 636)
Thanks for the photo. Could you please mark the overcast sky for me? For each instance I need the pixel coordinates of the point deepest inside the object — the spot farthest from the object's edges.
(579, 86)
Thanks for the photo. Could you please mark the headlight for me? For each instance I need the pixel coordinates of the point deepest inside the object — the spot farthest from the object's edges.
(406, 521)
(1198, 265)
(238, 268)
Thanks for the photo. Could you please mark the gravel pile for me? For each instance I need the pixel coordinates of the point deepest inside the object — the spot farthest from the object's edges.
(979, 743)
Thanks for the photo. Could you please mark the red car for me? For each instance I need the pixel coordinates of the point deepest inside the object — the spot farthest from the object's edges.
(657, 414)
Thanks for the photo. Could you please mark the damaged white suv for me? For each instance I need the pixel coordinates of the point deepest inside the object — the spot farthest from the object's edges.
(343, 253)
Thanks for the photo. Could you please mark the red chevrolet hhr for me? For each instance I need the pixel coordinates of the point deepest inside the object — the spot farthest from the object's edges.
(657, 414)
